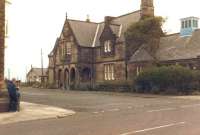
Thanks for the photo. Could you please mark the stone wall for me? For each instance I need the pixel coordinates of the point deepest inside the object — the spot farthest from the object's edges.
(4, 104)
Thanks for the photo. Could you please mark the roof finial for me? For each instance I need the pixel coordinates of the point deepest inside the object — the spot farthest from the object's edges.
(88, 18)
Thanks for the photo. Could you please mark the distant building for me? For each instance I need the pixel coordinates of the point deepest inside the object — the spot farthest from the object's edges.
(89, 54)
(35, 75)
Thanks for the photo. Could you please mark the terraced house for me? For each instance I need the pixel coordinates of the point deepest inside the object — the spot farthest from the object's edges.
(89, 54)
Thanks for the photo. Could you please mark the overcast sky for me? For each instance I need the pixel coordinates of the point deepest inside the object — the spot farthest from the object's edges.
(35, 24)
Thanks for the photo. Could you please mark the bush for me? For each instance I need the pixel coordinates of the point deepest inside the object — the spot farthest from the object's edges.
(172, 79)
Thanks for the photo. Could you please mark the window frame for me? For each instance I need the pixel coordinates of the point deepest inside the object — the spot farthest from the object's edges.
(107, 46)
(109, 72)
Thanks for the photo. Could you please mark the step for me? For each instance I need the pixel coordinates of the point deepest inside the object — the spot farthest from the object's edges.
(4, 104)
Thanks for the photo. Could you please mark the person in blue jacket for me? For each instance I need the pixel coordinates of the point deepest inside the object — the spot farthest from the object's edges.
(12, 90)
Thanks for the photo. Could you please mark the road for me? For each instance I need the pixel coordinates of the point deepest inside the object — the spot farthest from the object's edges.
(109, 113)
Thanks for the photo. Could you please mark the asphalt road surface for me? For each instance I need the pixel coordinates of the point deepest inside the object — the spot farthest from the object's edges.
(109, 113)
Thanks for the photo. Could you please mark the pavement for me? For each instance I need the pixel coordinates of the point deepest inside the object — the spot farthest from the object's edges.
(31, 111)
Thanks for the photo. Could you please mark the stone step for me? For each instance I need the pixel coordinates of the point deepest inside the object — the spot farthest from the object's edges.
(4, 104)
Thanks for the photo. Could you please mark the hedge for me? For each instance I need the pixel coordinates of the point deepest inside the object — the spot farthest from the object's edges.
(171, 79)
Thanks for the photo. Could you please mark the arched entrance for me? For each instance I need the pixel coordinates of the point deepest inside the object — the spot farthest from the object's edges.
(72, 78)
(60, 78)
(66, 79)
(86, 75)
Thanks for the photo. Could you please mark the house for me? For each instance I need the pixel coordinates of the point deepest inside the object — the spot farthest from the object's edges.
(35, 75)
(90, 54)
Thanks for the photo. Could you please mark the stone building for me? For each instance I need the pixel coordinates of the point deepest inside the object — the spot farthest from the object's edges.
(89, 54)
(35, 75)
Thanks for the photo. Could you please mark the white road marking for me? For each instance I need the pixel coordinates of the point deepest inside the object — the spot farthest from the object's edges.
(154, 128)
(130, 107)
(95, 112)
(165, 109)
(187, 106)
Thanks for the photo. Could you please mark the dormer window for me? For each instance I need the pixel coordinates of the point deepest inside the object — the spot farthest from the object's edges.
(107, 46)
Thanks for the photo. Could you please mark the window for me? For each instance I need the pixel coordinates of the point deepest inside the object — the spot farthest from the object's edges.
(60, 52)
(186, 24)
(195, 23)
(63, 50)
(107, 46)
(69, 49)
(189, 23)
(109, 72)
(139, 70)
(183, 24)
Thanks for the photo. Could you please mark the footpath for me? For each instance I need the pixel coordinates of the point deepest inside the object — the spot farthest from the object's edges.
(31, 111)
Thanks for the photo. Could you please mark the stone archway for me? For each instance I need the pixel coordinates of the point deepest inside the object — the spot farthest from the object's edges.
(72, 78)
(60, 85)
(86, 75)
(66, 79)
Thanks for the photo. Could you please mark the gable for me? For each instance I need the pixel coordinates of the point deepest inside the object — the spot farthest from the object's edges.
(66, 31)
(141, 55)
(84, 32)
(107, 34)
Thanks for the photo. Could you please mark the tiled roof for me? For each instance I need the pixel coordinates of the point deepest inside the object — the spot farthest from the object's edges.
(175, 47)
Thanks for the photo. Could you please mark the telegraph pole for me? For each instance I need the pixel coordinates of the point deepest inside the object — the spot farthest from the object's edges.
(42, 68)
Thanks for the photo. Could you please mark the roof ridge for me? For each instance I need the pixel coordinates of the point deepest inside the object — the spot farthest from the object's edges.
(82, 21)
(126, 14)
(172, 34)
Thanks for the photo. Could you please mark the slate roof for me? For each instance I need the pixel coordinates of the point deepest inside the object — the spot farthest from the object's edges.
(175, 47)
(37, 71)
(88, 33)
(84, 32)
(172, 47)
(126, 20)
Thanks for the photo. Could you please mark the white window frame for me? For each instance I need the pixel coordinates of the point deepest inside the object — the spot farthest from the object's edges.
(109, 73)
(107, 46)
(139, 69)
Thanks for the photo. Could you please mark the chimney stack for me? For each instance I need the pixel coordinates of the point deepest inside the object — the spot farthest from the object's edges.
(147, 8)
(108, 19)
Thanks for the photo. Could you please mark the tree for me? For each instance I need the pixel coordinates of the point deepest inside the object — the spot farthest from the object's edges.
(147, 32)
